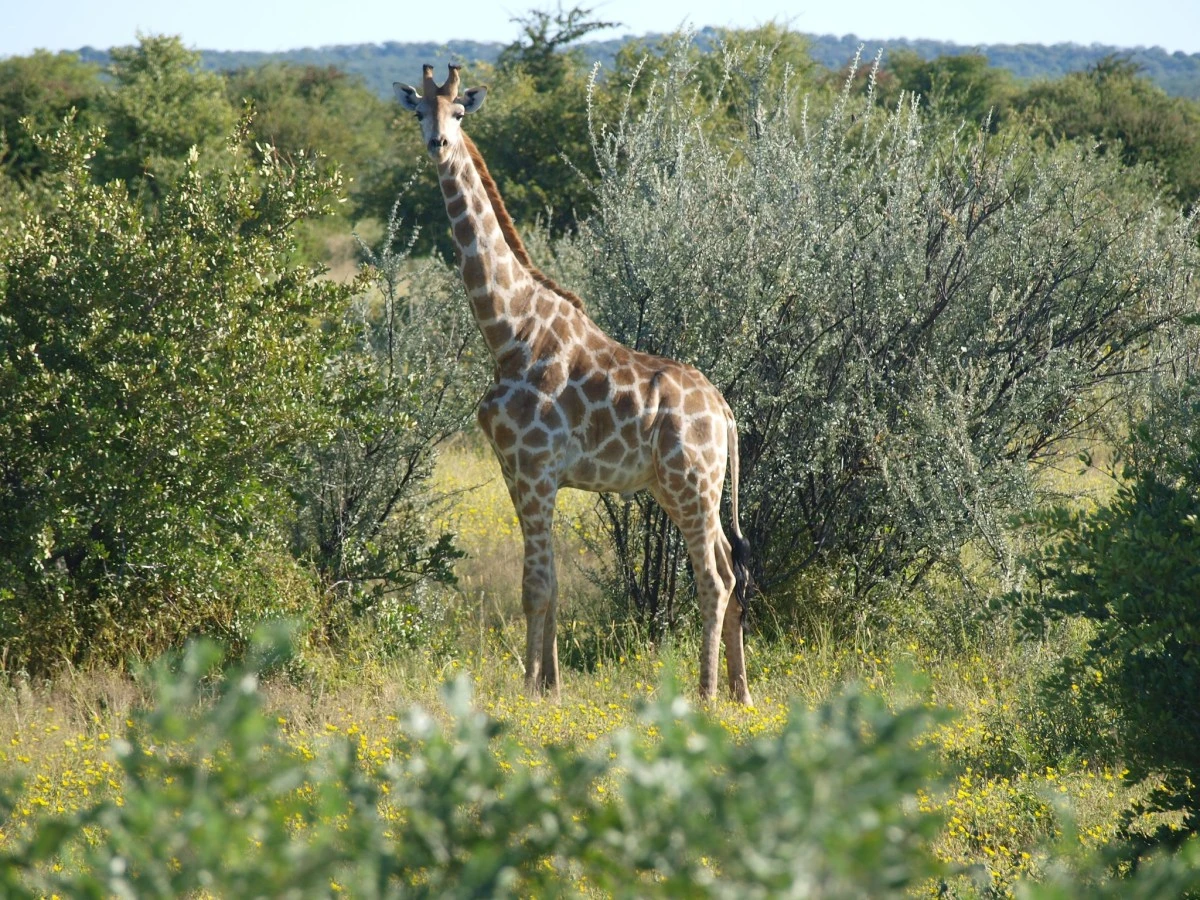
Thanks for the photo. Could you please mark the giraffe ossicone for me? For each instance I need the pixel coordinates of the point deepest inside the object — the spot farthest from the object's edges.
(571, 407)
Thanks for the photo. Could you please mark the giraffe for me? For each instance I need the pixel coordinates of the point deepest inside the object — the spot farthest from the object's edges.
(571, 407)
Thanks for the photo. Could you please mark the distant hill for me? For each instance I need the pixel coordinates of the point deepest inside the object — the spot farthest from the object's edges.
(1177, 73)
(381, 64)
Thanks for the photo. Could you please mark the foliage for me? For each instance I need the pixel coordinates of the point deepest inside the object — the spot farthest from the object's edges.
(902, 315)
(1128, 567)
(394, 390)
(1129, 116)
(542, 50)
(159, 106)
(317, 110)
(40, 89)
(958, 87)
(216, 800)
(159, 369)
(213, 801)
(377, 64)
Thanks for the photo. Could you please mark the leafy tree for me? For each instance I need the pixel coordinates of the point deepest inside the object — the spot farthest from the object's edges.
(1128, 115)
(964, 86)
(41, 89)
(158, 107)
(310, 109)
(159, 370)
(543, 52)
(723, 111)
(398, 387)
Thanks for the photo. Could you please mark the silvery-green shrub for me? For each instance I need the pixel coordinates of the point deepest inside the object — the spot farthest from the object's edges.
(906, 314)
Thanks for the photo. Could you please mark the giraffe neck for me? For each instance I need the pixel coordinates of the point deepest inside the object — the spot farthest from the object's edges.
(496, 280)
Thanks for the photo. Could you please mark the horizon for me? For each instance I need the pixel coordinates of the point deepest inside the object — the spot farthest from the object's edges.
(227, 26)
(636, 36)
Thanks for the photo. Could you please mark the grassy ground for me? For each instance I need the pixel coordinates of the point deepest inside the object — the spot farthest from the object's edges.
(1016, 783)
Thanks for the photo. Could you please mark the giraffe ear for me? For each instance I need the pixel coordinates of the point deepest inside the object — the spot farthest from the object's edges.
(407, 95)
(473, 98)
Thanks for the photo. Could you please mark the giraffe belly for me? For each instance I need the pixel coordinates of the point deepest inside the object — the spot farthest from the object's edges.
(607, 468)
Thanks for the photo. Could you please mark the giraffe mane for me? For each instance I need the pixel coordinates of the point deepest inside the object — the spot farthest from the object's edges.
(509, 230)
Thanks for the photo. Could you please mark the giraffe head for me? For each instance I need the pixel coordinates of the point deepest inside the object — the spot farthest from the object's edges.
(440, 110)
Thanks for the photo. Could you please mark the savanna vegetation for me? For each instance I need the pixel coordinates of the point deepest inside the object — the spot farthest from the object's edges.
(248, 533)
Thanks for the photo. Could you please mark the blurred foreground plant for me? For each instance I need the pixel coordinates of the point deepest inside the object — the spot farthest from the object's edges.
(214, 799)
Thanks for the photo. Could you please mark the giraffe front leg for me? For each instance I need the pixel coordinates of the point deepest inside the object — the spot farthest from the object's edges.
(535, 597)
(550, 681)
(713, 597)
(539, 588)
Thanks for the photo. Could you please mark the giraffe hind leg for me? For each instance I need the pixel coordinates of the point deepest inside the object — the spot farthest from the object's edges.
(697, 515)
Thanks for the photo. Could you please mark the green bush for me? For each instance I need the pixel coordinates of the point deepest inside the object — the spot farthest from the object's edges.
(1129, 568)
(159, 367)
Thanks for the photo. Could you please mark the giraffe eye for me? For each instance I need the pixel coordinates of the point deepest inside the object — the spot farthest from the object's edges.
(458, 116)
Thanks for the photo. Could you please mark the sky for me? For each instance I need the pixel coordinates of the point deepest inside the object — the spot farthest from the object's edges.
(267, 25)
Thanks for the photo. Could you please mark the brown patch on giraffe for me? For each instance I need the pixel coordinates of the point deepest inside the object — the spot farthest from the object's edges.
(535, 438)
(612, 452)
(572, 406)
(503, 436)
(503, 276)
(551, 379)
(550, 417)
(519, 298)
(497, 334)
(561, 329)
(700, 431)
(625, 405)
(693, 402)
(595, 388)
(522, 407)
(456, 206)
(600, 424)
(585, 471)
(630, 433)
(545, 345)
(622, 376)
(472, 271)
(543, 488)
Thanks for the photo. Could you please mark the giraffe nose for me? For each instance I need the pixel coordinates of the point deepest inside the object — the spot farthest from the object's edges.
(437, 143)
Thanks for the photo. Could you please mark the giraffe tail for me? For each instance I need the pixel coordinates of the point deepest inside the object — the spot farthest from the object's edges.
(742, 582)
